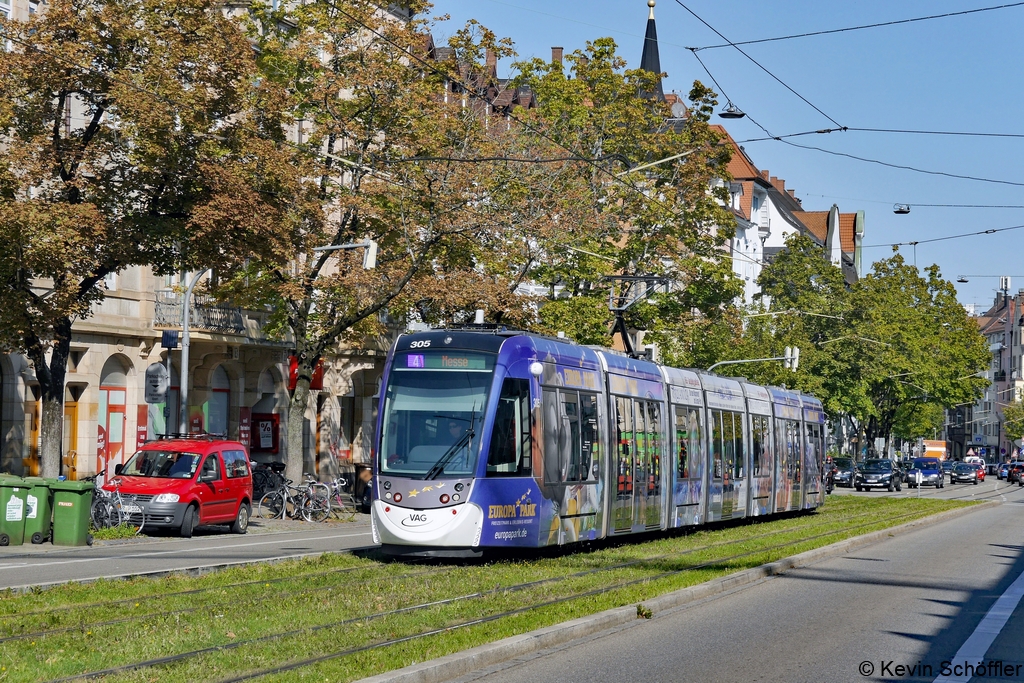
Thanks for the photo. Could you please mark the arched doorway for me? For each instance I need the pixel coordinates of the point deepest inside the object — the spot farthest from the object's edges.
(113, 395)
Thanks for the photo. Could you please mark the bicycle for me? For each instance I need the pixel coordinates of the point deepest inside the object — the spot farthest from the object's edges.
(310, 502)
(104, 513)
(112, 509)
(342, 502)
(266, 478)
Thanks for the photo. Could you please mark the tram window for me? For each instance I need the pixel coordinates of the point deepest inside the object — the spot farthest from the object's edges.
(642, 455)
(624, 438)
(569, 439)
(654, 444)
(759, 443)
(739, 463)
(793, 450)
(688, 440)
(728, 445)
(717, 448)
(510, 439)
(553, 434)
(589, 460)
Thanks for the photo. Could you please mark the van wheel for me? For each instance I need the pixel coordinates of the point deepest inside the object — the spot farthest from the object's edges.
(241, 524)
(188, 522)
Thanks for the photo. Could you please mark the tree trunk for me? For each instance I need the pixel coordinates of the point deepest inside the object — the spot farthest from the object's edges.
(51, 388)
(297, 418)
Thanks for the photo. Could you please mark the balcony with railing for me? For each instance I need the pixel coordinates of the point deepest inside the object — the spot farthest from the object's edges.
(205, 313)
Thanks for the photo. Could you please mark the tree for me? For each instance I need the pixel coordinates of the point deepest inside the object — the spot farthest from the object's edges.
(888, 353)
(378, 155)
(666, 221)
(122, 143)
(1013, 416)
(933, 346)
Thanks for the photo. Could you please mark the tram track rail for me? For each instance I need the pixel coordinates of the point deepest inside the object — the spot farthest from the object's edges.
(109, 604)
(309, 630)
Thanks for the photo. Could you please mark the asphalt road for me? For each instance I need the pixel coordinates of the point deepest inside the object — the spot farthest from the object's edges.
(211, 547)
(916, 600)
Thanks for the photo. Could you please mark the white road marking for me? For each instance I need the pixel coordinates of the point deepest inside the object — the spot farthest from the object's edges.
(202, 548)
(974, 648)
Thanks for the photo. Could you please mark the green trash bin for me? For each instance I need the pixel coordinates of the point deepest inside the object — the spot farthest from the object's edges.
(38, 509)
(12, 510)
(72, 501)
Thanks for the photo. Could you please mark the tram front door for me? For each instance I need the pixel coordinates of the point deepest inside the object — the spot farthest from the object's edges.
(637, 501)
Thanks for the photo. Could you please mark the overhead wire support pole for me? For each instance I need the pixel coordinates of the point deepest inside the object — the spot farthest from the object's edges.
(619, 304)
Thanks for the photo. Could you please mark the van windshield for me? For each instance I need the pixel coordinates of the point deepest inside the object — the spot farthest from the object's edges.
(162, 465)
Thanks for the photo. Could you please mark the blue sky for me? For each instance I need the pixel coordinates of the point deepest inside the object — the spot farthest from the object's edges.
(950, 74)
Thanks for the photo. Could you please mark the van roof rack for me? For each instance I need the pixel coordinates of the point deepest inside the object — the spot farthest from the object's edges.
(206, 436)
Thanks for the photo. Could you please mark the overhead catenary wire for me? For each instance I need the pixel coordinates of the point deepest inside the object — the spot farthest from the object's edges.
(758, 64)
(859, 28)
(990, 231)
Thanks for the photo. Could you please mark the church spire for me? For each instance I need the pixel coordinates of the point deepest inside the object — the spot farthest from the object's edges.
(650, 61)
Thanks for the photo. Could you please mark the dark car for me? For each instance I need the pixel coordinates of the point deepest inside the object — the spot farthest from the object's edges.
(930, 471)
(963, 472)
(843, 470)
(947, 467)
(1013, 474)
(878, 473)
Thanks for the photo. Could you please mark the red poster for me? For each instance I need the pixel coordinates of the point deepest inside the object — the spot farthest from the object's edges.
(141, 426)
(195, 420)
(316, 382)
(245, 427)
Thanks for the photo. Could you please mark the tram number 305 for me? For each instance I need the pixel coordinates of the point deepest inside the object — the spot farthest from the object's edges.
(422, 344)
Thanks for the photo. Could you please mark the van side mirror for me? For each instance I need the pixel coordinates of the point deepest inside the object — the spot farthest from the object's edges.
(208, 476)
(118, 468)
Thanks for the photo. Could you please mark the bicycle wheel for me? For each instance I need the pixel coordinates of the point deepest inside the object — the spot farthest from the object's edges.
(316, 504)
(105, 514)
(271, 506)
(260, 483)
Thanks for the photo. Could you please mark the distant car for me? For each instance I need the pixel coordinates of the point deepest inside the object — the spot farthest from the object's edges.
(964, 472)
(947, 467)
(879, 473)
(1013, 474)
(991, 468)
(930, 470)
(843, 472)
(1003, 469)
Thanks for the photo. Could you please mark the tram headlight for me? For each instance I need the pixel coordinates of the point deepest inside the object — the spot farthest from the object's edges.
(386, 485)
(398, 497)
(460, 486)
(456, 498)
(388, 495)
(444, 498)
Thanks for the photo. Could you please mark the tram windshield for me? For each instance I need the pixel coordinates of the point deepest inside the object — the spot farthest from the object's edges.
(433, 413)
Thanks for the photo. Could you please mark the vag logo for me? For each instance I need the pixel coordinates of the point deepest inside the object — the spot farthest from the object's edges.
(415, 519)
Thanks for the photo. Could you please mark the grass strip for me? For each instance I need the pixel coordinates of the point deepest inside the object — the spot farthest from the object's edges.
(329, 612)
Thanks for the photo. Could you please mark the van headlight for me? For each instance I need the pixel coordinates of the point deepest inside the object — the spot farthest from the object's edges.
(166, 498)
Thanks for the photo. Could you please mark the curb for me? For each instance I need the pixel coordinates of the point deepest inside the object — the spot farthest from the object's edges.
(459, 664)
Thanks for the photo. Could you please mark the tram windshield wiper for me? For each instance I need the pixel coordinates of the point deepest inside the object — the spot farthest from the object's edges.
(449, 455)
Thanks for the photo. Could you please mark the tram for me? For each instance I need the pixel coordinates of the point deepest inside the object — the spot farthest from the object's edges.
(493, 439)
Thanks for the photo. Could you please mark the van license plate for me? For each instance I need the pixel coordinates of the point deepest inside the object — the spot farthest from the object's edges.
(131, 508)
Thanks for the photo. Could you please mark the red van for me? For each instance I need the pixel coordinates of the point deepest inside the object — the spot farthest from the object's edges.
(182, 483)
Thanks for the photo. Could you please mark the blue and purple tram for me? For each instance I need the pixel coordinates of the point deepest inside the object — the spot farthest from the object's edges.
(503, 439)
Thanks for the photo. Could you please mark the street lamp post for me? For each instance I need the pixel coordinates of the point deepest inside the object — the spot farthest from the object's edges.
(183, 390)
